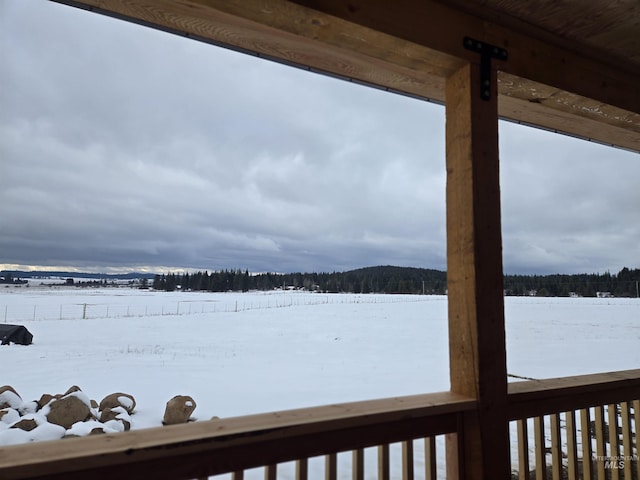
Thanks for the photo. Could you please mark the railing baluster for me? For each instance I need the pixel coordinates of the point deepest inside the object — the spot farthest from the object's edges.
(556, 447)
(523, 450)
(636, 421)
(331, 466)
(358, 464)
(430, 463)
(383, 462)
(614, 445)
(407, 460)
(302, 469)
(270, 472)
(572, 445)
(627, 439)
(601, 451)
(541, 462)
(587, 449)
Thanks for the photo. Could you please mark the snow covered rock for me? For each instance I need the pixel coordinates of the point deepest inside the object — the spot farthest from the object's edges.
(178, 410)
(9, 416)
(123, 400)
(72, 389)
(74, 414)
(26, 424)
(68, 410)
(45, 399)
(9, 398)
(116, 413)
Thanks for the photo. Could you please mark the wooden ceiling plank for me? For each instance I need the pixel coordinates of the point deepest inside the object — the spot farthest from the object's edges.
(606, 26)
(442, 28)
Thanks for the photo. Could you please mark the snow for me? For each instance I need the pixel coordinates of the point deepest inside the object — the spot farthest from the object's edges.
(237, 354)
(126, 401)
(11, 416)
(44, 431)
(11, 399)
(81, 396)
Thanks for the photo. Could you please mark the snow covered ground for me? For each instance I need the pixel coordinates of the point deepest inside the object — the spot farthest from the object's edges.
(237, 353)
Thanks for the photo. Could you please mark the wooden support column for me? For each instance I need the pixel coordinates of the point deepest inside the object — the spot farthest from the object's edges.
(475, 279)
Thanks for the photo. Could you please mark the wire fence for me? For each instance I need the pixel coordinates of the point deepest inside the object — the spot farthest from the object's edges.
(74, 311)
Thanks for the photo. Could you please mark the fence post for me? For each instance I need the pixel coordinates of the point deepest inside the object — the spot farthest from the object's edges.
(84, 311)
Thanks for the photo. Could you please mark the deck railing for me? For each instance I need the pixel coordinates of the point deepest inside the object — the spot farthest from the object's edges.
(385, 436)
(205, 448)
(576, 428)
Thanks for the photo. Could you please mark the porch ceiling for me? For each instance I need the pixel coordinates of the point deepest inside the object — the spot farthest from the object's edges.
(573, 66)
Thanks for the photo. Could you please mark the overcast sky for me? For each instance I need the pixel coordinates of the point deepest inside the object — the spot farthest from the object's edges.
(125, 148)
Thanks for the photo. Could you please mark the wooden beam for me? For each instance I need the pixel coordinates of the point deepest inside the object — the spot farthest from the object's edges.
(551, 109)
(410, 49)
(533, 54)
(477, 352)
(288, 33)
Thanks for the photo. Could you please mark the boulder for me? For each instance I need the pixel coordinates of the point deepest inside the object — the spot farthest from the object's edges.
(9, 398)
(72, 389)
(44, 400)
(8, 388)
(26, 424)
(118, 399)
(178, 410)
(68, 410)
(116, 413)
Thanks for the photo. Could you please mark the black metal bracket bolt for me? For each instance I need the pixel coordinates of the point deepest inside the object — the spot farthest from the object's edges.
(487, 52)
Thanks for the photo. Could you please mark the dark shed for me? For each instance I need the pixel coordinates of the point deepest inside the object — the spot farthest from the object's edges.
(15, 334)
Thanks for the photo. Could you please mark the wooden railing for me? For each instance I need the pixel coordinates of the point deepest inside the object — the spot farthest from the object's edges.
(200, 449)
(576, 428)
(379, 435)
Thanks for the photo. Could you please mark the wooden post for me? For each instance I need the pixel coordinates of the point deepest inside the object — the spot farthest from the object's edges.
(475, 279)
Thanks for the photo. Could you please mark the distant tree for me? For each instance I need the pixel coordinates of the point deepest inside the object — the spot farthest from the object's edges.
(246, 281)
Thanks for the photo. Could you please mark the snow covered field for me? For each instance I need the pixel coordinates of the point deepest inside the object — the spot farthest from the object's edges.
(238, 353)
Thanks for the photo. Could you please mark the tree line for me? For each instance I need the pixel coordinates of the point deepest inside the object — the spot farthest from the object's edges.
(623, 284)
(389, 279)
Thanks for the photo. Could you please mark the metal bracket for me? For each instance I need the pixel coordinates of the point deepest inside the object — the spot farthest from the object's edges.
(487, 52)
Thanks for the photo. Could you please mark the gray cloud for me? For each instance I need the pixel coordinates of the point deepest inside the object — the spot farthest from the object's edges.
(125, 147)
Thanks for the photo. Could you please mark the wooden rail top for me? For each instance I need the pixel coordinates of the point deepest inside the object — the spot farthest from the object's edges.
(208, 447)
(542, 397)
